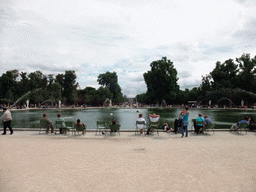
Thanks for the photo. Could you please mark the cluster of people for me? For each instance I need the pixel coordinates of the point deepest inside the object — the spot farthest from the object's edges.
(182, 121)
(248, 120)
(153, 119)
(201, 123)
(61, 124)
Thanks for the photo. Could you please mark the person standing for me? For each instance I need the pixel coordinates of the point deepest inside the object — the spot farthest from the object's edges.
(184, 122)
(7, 118)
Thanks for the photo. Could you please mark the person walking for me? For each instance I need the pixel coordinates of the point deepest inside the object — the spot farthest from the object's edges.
(184, 123)
(7, 118)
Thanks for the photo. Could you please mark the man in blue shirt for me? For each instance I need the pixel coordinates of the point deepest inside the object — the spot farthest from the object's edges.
(207, 121)
(236, 125)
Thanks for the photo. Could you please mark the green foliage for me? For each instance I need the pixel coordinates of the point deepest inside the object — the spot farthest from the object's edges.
(233, 79)
(69, 85)
(246, 75)
(224, 75)
(103, 94)
(37, 80)
(162, 81)
(143, 98)
(56, 91)
(24, 83)
(109, 80)
(8, 85)
(230, 77)
(38, 85)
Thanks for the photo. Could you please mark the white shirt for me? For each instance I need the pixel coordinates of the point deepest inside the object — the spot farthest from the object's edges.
(141, 126)
(154, 119)
(7, 116)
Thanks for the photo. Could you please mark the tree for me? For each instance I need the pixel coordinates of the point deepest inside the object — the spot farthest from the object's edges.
(109, 80)
(162, 81)
(24, 83)
(89, 95)
(103, 94)
(69, 85)
(224, 75)
(246, 75)
(143, 98)
(56, 91)
(8, 85)
(37, 80)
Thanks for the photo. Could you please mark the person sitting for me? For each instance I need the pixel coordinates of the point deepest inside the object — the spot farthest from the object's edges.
(207, 121)
(141, 126)
(61, 124)
(236, 125)
(49, 123)
(199, 123)
(78, 123)
(153, 119)
(252, 126)
(113, 123)
(167, 128)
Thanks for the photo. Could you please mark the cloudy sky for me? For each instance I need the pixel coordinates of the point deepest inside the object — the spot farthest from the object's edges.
(96, 36)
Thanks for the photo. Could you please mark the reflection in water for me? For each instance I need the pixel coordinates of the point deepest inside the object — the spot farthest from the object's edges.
(224, 118)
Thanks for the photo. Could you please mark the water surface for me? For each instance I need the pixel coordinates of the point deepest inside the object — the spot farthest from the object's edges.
(224, 118)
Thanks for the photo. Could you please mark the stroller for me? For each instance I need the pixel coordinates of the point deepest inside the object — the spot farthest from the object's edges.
(177, 124)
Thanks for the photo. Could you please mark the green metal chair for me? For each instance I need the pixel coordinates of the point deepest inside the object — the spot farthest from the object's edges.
(69, 126)
(61, 126)
(140, 123)
(115, 128)
(242, 127)
(153, 126)
(101, 127)
(193, 124)
(211, 126)
(77, 128)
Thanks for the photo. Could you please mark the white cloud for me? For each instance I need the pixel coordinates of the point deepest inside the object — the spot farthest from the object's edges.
(95, 36)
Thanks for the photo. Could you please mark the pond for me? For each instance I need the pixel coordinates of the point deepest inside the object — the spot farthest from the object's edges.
(223, 118)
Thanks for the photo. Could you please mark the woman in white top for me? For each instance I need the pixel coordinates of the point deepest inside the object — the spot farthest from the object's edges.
(141, 126)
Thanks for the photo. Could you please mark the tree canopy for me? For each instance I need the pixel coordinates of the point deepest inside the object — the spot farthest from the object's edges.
(110, 81)
(231, 79)
(161, 81)
(234, 79)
